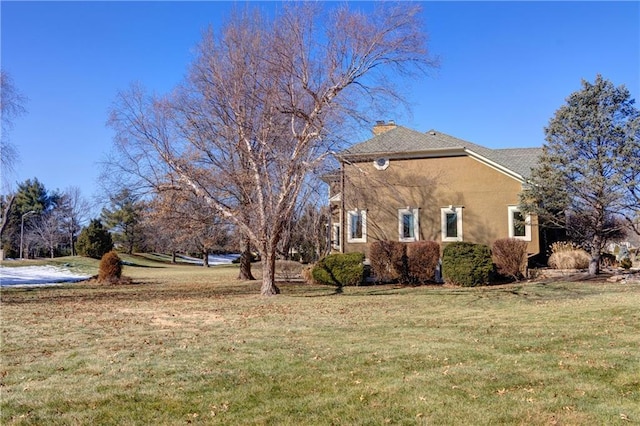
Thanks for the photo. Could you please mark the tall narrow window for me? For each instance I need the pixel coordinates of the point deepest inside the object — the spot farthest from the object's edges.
(519, 224)
(357, 225)
(335, 236)
(451, 220)
(408, 225)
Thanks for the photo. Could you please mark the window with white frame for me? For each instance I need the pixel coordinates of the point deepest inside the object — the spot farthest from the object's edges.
(335, 236)
(519, 224)
(408, 225)
(451, 219)
(357, 226)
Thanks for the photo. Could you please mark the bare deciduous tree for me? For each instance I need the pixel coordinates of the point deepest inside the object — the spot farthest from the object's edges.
(74, 211)
(187, 223)
(11, 107)
(47, 231)
(262, 108)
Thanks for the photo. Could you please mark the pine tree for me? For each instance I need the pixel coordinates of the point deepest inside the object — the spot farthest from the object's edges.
(123, 218)
(587, 179)
(94, 240)
(31, 196)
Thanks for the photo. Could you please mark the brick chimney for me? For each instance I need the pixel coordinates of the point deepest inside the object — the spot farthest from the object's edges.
(382, 126)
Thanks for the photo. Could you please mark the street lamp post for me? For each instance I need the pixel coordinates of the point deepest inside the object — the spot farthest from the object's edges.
(22, 229)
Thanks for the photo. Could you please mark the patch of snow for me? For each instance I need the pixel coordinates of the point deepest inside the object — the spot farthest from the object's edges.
(22, 276)
(214, 259)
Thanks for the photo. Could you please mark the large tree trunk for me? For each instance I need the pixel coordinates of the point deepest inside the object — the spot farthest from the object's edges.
(245, 259)
(594, 263)
(269, 287)
(205, 258)
(173, 256)
(5, 215)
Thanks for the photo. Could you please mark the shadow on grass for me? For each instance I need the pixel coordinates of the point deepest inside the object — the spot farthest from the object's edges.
(154, 290)
(531, 292)
(141, 291)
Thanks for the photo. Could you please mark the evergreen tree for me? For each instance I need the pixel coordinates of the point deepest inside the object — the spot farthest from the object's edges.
(124, 219)
(94, 240)
(31, 196)
(587, 179)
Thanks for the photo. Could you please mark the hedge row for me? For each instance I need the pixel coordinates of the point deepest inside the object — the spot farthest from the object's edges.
(396, 261)
(463, 263)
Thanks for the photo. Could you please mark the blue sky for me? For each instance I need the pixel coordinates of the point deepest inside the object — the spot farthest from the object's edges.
(506, 67)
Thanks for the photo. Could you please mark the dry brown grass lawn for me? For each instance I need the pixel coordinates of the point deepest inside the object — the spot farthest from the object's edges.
(184, 344)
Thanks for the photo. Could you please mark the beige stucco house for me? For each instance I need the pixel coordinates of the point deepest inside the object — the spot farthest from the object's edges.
(409, 186)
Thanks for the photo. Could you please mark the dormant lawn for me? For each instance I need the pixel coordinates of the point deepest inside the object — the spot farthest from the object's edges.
(184, 344)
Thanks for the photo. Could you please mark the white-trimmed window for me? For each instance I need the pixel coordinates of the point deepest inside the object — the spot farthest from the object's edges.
(335, 236)
(357, 226)
(451, 220)
(519, 224)
(408, 225)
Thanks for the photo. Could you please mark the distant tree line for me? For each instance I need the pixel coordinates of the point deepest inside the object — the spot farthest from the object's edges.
(37, 222)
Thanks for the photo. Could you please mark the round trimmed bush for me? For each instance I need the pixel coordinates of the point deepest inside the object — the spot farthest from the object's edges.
(110, 268)
(340, 269)
(467, 264)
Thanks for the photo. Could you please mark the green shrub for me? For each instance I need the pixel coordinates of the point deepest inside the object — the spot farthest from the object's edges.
(94, 240)
(110, 268)
(340, 269)
(510, 257)
(466, 264)
(422, 259)
(388, 260)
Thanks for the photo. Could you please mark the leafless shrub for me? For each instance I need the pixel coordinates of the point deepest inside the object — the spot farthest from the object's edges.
(288, 269)
(423, 259)
(387, 260)
(510, 257)
(306, 274)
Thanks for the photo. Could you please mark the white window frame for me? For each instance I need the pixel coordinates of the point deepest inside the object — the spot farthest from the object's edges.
(443, 221)
(335, 236)
(350, 215)
(414, 213)
(527, 224)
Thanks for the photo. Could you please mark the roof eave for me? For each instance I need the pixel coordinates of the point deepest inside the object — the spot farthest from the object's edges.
(435, 152)
(496, 166)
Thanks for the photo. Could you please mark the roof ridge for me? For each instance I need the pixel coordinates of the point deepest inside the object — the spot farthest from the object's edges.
(517, 148)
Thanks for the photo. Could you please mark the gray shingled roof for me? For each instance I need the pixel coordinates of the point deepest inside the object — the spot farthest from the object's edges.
(404, 141)
(520, 160)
